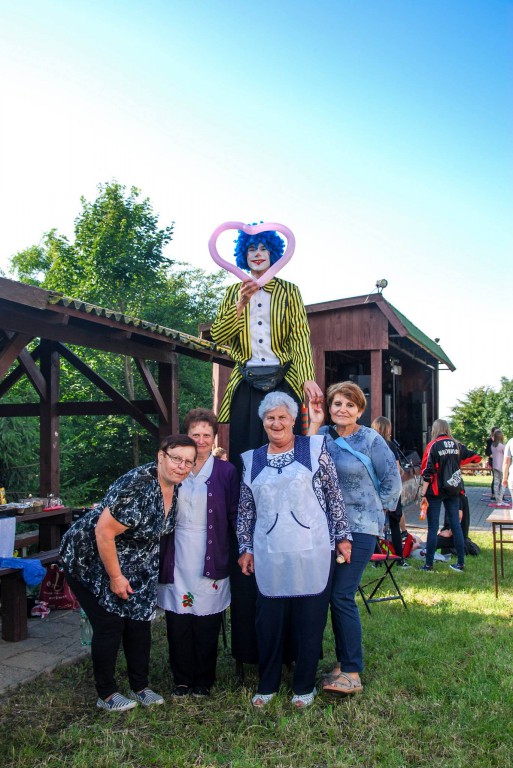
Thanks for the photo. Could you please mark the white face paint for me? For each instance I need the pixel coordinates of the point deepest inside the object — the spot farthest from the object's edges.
(259, 259)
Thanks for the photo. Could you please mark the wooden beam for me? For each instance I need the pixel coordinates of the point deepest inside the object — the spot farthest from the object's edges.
(77, 408)
(168, 387)
(88, 332)
(151, 386)
(19, 409)
(15, 343)
(34, 375)
(126, 405)
(18, 373)
(28, 295)
(49, 442)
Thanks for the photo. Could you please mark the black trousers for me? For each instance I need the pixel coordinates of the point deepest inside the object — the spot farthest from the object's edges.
(109, 630)
(246, 433)
(193, 647)
(306, 618)
(394, 518)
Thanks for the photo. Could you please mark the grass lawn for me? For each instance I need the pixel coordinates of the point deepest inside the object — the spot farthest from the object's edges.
(438, 691)
(484, 481)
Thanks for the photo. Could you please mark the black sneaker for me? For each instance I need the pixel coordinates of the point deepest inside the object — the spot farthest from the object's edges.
(181, 690)
(200, 690)
(428, 568)
(457, 567)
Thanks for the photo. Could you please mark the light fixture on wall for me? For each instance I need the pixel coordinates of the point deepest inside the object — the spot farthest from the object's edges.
(381, 284)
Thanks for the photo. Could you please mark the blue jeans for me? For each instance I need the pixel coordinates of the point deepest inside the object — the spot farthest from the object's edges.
(345, 616)
(452, 511)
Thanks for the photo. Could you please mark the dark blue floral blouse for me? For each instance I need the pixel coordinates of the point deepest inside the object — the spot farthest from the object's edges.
(134, 500)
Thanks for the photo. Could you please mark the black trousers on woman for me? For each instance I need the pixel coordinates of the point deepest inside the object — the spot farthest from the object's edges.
(247, 433)
(305, 619)
(193, 648)
(109, 631)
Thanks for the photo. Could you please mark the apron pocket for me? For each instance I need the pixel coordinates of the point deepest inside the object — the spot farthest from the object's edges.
(287, 534)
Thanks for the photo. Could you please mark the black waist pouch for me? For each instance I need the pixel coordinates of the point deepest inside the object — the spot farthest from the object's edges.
(264, 377)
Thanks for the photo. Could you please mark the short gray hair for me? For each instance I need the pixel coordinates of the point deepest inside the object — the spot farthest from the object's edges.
(277, 400)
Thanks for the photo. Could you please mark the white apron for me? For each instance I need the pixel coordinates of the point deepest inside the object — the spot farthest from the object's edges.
(291, 541)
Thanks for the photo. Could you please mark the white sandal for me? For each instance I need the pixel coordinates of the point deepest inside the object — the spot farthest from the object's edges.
(261, 699)
(301, 700)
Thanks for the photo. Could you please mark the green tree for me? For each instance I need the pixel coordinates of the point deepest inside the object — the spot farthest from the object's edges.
(116, 260)
(503, 415)
(481, 409)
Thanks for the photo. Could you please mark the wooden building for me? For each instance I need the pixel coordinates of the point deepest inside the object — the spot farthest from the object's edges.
(367, 340)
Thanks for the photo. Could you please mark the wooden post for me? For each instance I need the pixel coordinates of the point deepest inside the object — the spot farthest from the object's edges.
(49, 436)
(220, 376)
(376, 383)
(168, 387)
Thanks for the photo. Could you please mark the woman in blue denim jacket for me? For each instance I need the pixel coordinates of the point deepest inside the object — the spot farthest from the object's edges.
(369, 485)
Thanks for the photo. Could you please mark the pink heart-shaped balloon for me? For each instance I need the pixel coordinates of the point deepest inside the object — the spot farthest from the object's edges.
(253, 229)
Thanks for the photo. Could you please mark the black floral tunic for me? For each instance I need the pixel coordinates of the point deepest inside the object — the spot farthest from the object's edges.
(134, 500)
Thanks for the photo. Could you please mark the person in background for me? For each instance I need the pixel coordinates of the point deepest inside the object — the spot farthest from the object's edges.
(194, 584)
(370, 482)
(291, 520)
(111, 562)
(507, 473)
(488, 453)
(442, 484)
(269, 338)
(220, 453)
(498, 462)
(383, 426)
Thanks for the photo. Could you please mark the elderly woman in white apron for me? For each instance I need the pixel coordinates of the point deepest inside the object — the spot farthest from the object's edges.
(291, 520)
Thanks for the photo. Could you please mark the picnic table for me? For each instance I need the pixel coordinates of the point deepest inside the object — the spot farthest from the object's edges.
(51, 524)
(501, 519)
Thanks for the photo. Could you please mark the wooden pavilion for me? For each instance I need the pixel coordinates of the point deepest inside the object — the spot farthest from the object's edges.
(49, 322)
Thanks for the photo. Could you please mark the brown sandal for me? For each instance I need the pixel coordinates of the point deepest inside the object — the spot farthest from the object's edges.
(342, 685)
(330, 676)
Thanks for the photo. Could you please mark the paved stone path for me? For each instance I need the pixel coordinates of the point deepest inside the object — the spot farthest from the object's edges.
(55, 641)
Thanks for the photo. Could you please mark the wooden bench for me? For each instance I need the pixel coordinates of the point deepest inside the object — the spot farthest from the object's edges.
(474, 469)
(14, 598)
(25, 540)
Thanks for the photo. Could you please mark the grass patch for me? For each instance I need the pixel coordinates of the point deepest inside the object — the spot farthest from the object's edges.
(483, 481)
(438, 692)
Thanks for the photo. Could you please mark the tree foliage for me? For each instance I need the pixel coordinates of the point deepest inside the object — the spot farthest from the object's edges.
(481, 409)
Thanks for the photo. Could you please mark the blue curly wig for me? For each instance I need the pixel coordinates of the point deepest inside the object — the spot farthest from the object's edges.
(272, 241)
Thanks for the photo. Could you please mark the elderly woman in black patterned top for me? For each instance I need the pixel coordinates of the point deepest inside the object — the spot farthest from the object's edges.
(111, 561)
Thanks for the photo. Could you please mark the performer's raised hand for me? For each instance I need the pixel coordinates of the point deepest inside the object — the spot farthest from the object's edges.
(247, 289)
(313, 392)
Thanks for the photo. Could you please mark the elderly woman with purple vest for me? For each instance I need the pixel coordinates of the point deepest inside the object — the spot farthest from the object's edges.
(194, 584)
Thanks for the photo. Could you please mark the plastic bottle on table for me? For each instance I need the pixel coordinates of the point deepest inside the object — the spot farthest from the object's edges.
(86, 630)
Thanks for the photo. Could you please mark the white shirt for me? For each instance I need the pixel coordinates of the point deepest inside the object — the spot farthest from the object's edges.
(260, 330)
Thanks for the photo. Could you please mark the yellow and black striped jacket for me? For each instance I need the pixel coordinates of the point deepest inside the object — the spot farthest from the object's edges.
(290, 336)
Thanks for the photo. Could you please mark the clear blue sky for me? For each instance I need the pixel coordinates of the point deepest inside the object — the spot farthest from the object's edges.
(379, 131)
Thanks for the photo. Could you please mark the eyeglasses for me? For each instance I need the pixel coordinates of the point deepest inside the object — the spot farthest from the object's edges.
(178, 460)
